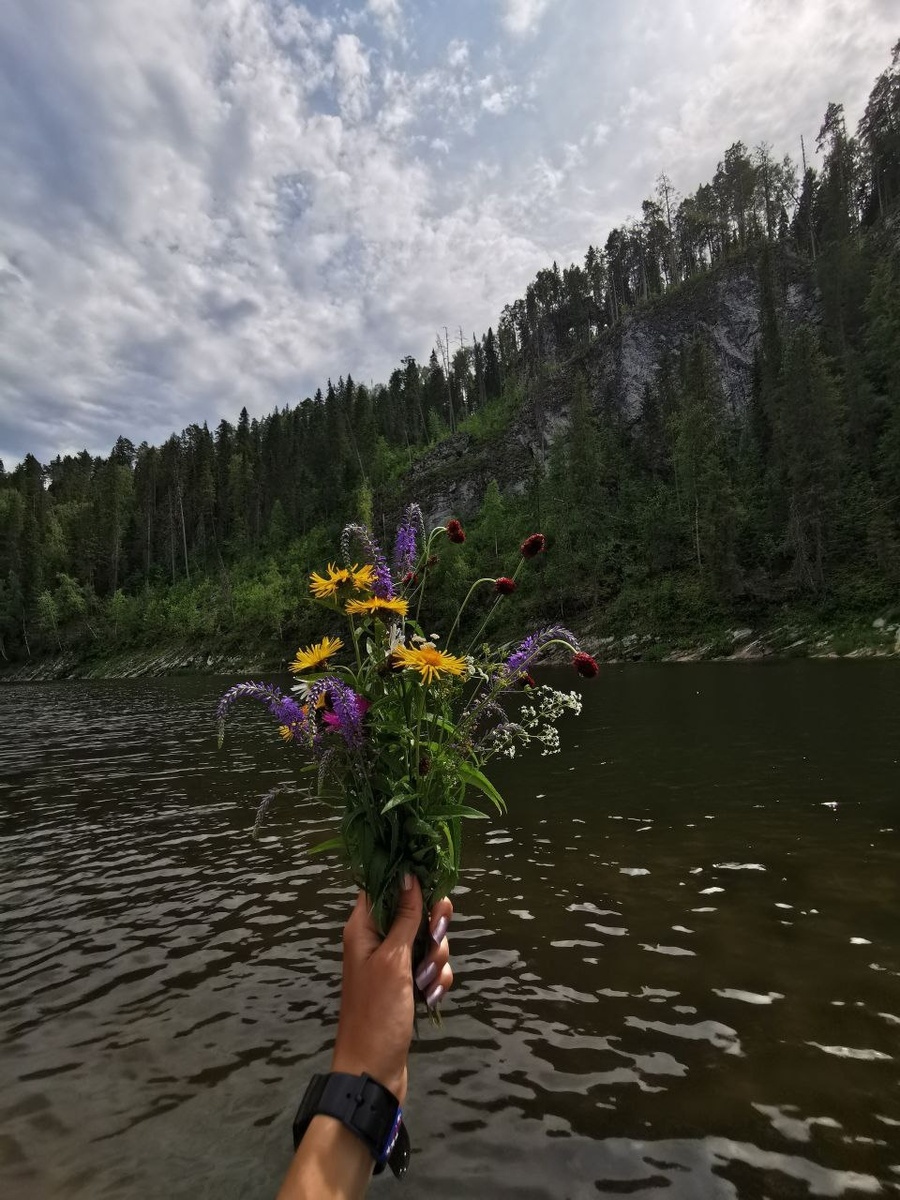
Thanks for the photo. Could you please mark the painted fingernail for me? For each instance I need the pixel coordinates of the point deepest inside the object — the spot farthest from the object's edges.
(434, 995)
(425, 975)
(406, 882)
(439, 930)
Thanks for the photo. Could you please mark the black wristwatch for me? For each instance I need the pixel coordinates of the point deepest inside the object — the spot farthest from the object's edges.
(366, 1108)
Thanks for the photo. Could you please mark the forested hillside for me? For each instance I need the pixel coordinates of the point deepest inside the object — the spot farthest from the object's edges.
(703, 503)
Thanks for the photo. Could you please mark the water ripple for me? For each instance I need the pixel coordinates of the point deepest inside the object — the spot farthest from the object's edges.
(167, 985)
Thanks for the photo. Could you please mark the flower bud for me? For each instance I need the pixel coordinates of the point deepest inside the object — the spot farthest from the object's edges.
(533, 546)
(585, 665)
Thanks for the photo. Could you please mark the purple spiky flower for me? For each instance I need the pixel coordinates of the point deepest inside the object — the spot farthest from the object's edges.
(383, 587)
(285, 710)
(528, 650)
(405, 550)
(348, 709)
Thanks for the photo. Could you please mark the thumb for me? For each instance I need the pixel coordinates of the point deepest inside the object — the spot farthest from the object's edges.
(409, 915)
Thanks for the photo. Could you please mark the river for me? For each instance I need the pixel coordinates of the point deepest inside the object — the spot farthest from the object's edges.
(677, 958)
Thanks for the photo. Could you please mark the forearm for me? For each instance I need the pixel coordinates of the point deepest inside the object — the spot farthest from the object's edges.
(331, 1163)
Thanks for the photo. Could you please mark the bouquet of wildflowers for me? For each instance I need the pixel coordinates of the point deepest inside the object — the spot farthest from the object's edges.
(400, 724)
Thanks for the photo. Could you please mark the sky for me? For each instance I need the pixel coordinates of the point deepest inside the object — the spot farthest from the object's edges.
(207, 204)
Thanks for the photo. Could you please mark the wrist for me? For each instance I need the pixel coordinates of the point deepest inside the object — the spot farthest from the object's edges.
(330, 1162)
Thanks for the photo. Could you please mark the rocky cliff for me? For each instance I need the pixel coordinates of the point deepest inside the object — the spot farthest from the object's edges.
(723, 306)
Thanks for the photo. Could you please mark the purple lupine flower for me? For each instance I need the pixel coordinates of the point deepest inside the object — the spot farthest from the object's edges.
(287, 712)
(528, 650)
(383, 587)
(265, 693)
(314, 694)
(346, 717)
(413, 516)
(410, 537)
(405, 550)
(324, 763)
(264, 805)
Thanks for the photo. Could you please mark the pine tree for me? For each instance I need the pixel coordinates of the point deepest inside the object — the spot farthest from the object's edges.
(810, 456)
(701, 458)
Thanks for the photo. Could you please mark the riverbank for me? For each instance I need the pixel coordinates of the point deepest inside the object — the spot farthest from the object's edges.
(878, 639)
(792, 639)
(141, 664)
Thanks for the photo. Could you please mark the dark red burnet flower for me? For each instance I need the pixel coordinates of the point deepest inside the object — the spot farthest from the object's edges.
(424, 764)
(455, 532)
(585, 665)
(533, 546)
(504, 586)
(409, 577)
(527, 680)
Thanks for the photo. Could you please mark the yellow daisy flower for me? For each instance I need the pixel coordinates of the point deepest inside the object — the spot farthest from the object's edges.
(324, 589)
(429, 662)
(313, 657)
(375, 607)
(357, 579)
(363, 577)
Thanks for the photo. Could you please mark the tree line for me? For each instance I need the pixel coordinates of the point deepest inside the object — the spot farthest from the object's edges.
(689, 511)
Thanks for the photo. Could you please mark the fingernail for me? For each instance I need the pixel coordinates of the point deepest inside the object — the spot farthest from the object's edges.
(434, 995)
(425, 975)
(406, 882)
(439, 930)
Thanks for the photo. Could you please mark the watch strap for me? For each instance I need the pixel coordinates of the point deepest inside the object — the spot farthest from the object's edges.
(366, 1108)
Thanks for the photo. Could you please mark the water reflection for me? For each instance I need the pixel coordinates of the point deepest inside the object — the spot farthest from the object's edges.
(677, 961)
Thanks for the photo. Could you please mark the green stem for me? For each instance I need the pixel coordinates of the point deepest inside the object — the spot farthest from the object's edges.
(355, 644)
(484, 623)
(427, 555)
(502, 687)
(416, 752)
(455, 625)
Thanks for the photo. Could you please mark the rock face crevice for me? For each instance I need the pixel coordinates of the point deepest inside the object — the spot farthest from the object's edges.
(722, 306)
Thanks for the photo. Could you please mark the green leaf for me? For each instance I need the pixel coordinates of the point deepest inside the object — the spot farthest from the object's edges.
(457, 852)
(334, 843)
(463, 811)
(482, 784)
(449, 836)
(396, 801)
(440, 722)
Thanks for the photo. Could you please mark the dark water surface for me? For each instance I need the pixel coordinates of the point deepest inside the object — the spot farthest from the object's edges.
(678, 959)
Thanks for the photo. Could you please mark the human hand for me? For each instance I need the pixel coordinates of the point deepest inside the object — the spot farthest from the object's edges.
(377, 1000)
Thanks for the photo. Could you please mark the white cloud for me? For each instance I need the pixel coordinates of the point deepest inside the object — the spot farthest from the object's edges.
(600, 135)
(205, 206)
(522, 17)
(352, 70)
(498, 101)
(187, 234)
(458, 53)
(638, 100)
(387, 12)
